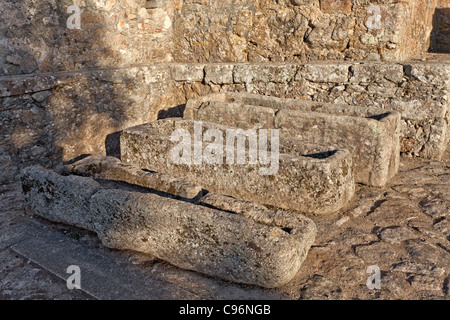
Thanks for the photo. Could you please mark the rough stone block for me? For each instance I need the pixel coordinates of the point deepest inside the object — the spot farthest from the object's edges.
(437, 74)
(370, 134)
(374, 143)
(245, 73)
(438, 140)
(307, 178)
(236, 241)
(334, 73)
(155, 74)
(419, 110)
(58, 198)
(376, 72)
(187, 72)
(219, 73)
(40, 96)
(250, 117)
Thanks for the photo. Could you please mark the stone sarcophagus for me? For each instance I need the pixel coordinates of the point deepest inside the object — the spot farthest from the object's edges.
(252, 165)
(215, 235)
(371, 135)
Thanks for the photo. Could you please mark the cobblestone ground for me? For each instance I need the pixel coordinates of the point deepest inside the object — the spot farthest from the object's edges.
(403, 229)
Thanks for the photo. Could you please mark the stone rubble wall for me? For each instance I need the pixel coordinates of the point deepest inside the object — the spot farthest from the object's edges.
(417, 90)
(34, 36)
(301, 30)
(119, 33)
(51, 117)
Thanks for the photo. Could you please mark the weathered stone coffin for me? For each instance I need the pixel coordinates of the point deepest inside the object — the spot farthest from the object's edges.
(370, 134)
(216, 235)
(308, 178)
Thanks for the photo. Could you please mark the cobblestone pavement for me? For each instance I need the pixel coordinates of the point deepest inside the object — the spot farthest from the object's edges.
(403, 229)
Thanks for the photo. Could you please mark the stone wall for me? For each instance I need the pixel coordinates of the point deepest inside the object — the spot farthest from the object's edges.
(65, 92)
(46, 119)
(49, 118)
(35, 37)
(301, 30)
(417, 90)
(34, 34)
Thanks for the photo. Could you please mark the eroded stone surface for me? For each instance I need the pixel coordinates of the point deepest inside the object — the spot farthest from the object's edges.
(198, 238)
(58, 198)
(292, 30)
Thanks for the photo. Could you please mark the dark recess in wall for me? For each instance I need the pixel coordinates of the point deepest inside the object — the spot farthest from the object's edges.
(440, 36)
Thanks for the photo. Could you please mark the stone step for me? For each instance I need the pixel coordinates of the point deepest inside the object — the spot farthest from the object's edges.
(309, 178)
(216, 235)
(103, 275)
(370, 134)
